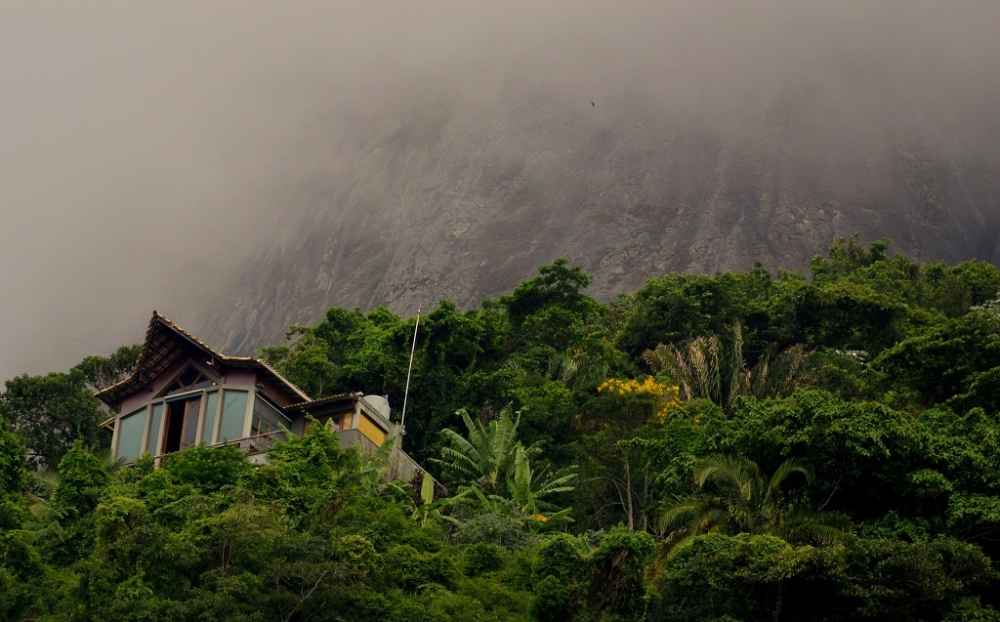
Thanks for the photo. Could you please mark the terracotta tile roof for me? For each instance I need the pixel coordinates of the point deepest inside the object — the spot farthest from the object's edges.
(324, 400)
(165, 343)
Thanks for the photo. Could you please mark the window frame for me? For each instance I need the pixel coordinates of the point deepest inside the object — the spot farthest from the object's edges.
(283, 419)
(162, 401)
(119, 428)
(248, 394)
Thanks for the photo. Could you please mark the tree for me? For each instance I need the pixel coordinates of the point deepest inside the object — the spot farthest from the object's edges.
(557, 285)
(618, 585)
(548, 314)
(430, 510)
(13, 476)
(945, 359)
(306, 363)
(207, 469)
(492, 456)
(746, 502)
(529, 489)
(487, 455)
(677, 306)
(83, 480)
(310, 475)
(101, 372)
(716, 369)
(573, 583)
(50, 413)
(846, 256)
(763, 578)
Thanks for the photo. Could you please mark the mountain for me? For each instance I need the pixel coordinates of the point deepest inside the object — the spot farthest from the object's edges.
(436, 200)
(459, 182)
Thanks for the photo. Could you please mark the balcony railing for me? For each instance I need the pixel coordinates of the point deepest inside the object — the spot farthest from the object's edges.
(401, 465)
(263, 442)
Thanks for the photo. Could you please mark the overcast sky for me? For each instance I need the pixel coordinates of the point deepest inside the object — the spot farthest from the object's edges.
(143, 146)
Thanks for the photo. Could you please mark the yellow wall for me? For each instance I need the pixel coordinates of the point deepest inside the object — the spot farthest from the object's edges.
(372, 431)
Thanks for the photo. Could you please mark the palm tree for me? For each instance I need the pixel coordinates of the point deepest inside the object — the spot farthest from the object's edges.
(578, 371)
(745, 501)
(487, 455)
(709, 367)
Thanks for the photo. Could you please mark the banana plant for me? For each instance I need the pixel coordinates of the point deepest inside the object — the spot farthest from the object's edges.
(374, 467)
(485, 457)
(528, 489)
(430, 511)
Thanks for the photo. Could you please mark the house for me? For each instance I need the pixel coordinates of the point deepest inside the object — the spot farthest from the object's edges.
(183, 393)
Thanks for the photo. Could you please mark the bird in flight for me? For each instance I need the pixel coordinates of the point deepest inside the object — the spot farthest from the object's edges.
(593, 104)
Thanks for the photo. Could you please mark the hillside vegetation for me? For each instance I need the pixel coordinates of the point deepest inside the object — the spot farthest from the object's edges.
(746, 446)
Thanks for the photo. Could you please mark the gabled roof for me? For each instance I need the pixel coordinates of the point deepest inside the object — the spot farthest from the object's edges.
(165, 344)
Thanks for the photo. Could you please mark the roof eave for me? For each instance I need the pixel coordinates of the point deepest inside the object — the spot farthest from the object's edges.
(113, 395)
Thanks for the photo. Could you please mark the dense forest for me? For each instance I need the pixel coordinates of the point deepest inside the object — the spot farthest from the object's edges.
(745, 446)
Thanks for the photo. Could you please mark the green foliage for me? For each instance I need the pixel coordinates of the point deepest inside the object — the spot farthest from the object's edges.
(745, 501)
(21, 574)
(529, 489)
(101, 372)
(880, 373)
(13, 471)
(574, 582)
(83, 480)
(862, 449)
(310, 476)
(483, 557)
(558, 286)
(207, 470)
(433, 510)
(947, 359)
(756, 577)
(51, 413)
(676, 307)
(486, 455)
(713, 368)
(491, 455)
(493, 527)
(618, 583)
(741, 576)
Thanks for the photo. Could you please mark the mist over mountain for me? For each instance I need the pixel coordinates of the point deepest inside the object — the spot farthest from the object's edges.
(686, 138)
(241, 166)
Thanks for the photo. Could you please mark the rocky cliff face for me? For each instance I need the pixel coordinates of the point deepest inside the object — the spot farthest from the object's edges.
(464, 191)
(437, 201)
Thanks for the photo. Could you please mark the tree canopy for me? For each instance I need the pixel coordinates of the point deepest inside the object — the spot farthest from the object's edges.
(747, 446)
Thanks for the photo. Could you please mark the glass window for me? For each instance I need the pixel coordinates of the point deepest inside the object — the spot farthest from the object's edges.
(189, 380)
(211, 405)
(130, 429)
(153, 444)
(338, 422)
(182, 422)
(191, 409)
(266, 418)
(234, 408)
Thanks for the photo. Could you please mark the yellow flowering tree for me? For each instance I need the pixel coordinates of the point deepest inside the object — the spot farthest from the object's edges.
(621, 469)
(666, 397)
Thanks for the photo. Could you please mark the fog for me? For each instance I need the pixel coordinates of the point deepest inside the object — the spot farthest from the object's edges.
(147, 149)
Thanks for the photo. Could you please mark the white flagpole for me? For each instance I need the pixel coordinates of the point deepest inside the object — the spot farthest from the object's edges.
(409, 371)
